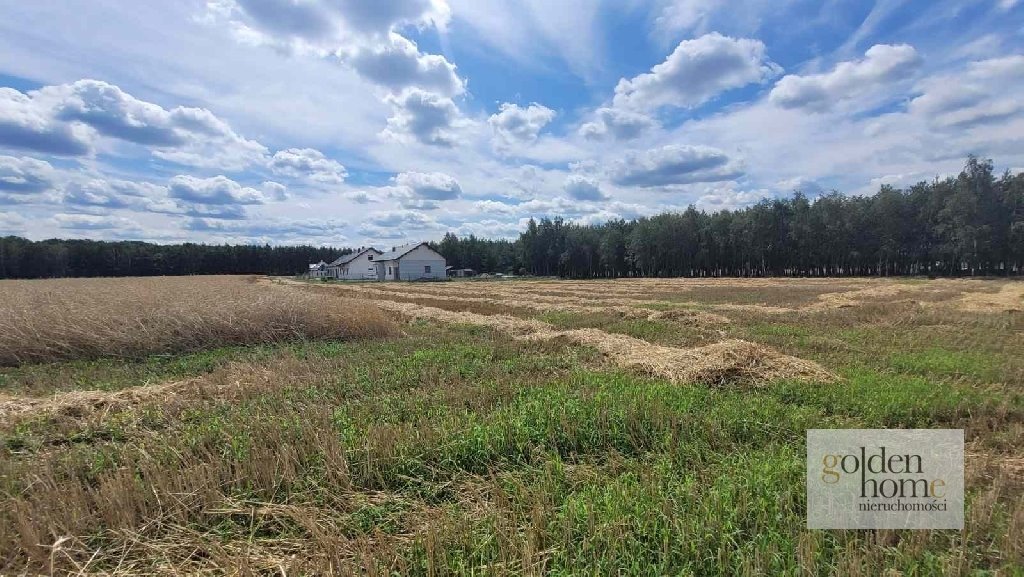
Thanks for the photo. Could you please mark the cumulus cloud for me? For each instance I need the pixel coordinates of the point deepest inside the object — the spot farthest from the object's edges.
(307, 164)
(218, 190)
(616, 124)
(65, 119)
(115, 193)
(583, 188)
(674, 164)
(513, 124)
(697, 71)
(986, 92)
(274, 190)
(424, 117)
(398, 224)
(362, 35)
(802, 184)
(93, 222)
(24, 175)
(882, 65)
(12, 223)
(430, 186)
(318, 230)
(26, 125)
(398, 64)
(319, 21)
(728, 198)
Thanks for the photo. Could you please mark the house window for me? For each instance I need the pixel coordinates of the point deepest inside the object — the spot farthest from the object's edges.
(426, 269)
(389, 270)
(369, 257)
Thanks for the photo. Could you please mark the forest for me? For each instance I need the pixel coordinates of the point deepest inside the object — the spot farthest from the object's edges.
(971, 224)
(21, 258)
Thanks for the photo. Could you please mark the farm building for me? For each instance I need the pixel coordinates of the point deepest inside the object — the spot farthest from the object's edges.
(355, 266)
(460, 272)
(415, 261)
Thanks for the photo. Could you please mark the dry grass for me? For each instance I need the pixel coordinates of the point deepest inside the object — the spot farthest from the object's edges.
(728, 362)
(731, 361)
(1009, 298)
(50, 320)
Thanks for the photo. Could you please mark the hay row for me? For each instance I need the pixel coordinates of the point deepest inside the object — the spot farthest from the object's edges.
(1009, 298)
(86, 402)
(556, 304)
(730, 361)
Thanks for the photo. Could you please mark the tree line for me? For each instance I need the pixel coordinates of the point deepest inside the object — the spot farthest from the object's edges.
(21, 258)
(971, 224)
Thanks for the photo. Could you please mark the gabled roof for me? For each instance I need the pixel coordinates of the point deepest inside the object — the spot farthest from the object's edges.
(352, 256)
(400, 251)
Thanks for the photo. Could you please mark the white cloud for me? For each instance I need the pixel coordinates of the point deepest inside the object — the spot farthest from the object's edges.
(272, 228)
(12, 223)
(274, 190)
(882, 65)
(93, 222)
(359, 34)
(26, 125)
(115, 193)
(24, 175)
(727, 197)
(307, 164)
(68, 118)
(430, 186)
(616, 124)
(697, 71)
(674, 164)
(218, 190)
(398, 64)
(684, 15)
(514, 125)
(987, 91)
(399, 224)
(424, 117)
(583, 188)
(318, 22)
(808, 186)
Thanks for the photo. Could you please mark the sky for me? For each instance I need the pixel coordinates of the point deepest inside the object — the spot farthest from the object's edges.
(377, 122)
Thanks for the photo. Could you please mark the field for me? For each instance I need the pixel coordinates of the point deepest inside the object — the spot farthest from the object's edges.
(524, 427)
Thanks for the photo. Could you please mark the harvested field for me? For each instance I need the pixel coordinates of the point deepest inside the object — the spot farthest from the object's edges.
(508, 427)
(546, 303)
(49, 320)
(1009, 298)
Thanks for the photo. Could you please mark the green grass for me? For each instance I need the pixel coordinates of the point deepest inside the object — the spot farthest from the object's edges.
(455, 450)
(116, 374)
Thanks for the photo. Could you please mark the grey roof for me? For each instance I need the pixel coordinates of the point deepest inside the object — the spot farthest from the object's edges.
(352, 256)
(400, 251)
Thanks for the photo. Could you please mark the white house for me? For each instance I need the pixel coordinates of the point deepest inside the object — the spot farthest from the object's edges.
(410, 262)
(318, 270)
(358, 265)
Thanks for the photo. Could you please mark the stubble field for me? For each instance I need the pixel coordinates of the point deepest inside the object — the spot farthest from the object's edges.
(633, 426)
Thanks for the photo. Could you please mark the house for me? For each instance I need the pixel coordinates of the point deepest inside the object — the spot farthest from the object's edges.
(355, 266)
(415, 261)
(318, 270)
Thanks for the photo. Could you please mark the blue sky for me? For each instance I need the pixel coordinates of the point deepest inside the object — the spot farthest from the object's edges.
(350, 122)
